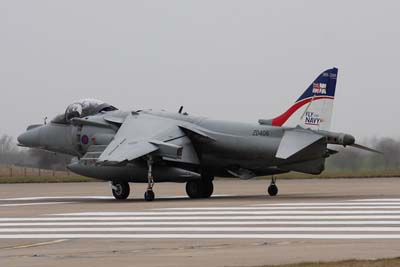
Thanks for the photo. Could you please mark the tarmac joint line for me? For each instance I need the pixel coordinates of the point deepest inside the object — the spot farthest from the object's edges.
(36, 244)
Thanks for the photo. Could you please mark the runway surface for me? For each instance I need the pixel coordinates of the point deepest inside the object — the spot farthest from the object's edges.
(80, 224)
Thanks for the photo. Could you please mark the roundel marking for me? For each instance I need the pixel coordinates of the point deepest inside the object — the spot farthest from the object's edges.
(85, 139)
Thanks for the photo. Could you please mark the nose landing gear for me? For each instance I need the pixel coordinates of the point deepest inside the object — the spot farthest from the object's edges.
(272, 188)
(149, 194)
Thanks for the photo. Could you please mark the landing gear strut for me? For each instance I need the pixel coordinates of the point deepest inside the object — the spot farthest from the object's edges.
(272, 188)
(120, 189)
(149, 194)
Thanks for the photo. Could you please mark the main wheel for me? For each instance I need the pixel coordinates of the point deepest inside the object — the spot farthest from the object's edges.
(272, 190)
(208, 189)
(149, 195)
(199, 189)
(120, 190)
(194, 189)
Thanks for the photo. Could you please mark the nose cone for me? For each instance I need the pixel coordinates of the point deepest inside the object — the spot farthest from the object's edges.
(30, 138)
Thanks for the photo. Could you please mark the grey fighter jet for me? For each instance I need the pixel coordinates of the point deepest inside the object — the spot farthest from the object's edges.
(146, 146)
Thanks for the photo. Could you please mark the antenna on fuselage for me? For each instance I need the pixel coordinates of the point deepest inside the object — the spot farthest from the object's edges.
(180, 110)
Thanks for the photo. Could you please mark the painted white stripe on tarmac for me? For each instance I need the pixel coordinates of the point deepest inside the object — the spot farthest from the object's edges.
(202, 236)
(322, 204)
(178, 218)
(376, 199)
(153, 223)
(92, 197)
(34, 204)
(280, 208)
(54, 197)
(201, 229)
(261, 212)
(185, 196)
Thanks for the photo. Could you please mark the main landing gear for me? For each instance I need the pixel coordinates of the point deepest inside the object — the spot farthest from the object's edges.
(272, 188)
(149, 194)
(120, 189)
(202, 188)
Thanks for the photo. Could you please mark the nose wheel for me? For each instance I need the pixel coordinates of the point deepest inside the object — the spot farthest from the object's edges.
(272, 188)
(149, 194)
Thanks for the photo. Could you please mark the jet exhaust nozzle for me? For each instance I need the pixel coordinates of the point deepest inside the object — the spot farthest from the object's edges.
(339, 138)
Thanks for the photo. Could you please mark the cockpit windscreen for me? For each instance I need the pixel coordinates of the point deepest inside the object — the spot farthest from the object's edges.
(83, 108)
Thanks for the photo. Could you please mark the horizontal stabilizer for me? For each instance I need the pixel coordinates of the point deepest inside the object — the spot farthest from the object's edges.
(295, 141)
(366, 148)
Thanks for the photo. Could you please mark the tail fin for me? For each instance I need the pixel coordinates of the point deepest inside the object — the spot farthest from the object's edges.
(314, 107)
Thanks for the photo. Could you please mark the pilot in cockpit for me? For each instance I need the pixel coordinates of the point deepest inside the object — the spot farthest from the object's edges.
(83, 108)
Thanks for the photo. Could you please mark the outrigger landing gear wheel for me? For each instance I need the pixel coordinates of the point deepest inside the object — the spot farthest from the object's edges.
(272, 188)
(120, 190)
(199, 189)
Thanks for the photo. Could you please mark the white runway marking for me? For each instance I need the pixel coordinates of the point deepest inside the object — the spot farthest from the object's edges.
(34, 204)
(91, 197)
(250, 212)
(323, 204)
(185, 196)
(283, 208)
(203, 236)
(196, 223)
(203, 229)
(177, 218)
(367, 219)
(377, 199)
(53, 197)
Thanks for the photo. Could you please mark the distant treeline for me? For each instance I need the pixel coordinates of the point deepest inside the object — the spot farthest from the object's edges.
(11, 154)
(352, 159)
(349, 159)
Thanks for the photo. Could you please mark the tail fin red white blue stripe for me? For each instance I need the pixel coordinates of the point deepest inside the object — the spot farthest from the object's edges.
(314, 107)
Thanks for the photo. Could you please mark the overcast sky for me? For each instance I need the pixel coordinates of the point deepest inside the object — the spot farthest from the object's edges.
(235, 60)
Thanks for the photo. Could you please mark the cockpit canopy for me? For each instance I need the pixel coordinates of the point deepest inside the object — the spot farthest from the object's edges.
(83, 108)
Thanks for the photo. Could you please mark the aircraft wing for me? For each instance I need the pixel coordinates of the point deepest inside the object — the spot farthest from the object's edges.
(142, 134)
(295, 141)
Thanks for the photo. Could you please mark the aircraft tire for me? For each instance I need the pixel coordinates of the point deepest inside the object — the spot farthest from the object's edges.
(272, 190)
(194, 189)
(122, 190)
(208, 189)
